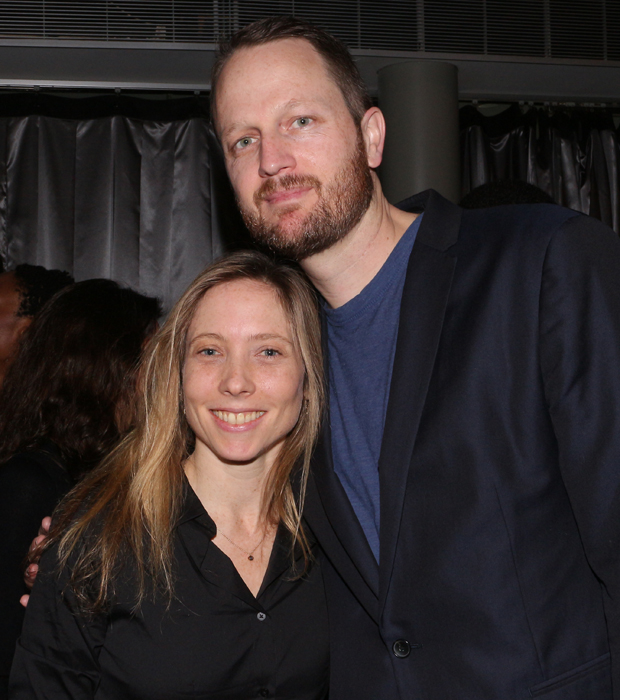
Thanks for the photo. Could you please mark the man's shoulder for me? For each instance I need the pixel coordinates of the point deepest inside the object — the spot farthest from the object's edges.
(536, 227)
(539, 217)
(522, 229)
(446, 224)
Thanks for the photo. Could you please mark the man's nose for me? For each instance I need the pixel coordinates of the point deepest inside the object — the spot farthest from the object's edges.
(236, 378)
(275, 155)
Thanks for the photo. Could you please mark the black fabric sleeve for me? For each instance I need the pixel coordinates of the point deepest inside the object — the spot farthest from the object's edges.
(57, 653)
(580, 364)
(27, 494)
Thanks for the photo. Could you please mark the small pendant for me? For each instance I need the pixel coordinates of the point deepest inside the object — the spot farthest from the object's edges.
(251, 558)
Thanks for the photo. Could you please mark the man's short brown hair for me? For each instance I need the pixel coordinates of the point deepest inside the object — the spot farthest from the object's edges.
(338, 60)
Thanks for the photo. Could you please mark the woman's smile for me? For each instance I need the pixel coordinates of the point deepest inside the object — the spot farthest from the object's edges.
(238, 419)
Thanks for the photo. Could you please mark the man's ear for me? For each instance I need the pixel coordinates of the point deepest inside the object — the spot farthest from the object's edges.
(373, 133)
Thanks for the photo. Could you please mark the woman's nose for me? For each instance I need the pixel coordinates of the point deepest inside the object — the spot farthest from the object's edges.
(236, 379)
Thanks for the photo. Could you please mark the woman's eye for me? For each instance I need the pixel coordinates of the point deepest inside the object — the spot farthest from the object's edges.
(303, 121)
(270, 352)
(209, 352)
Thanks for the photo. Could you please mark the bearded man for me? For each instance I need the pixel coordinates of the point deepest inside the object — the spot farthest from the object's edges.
(466, 489)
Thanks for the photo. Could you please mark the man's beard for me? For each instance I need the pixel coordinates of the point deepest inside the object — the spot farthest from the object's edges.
(340, 207)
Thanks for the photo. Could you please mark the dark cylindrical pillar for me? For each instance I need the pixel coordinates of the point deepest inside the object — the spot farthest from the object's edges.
(420, 102)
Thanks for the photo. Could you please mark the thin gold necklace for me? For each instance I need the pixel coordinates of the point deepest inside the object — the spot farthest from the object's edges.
(250, 555)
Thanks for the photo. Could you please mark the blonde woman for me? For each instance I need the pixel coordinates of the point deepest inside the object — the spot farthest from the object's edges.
(180, 568)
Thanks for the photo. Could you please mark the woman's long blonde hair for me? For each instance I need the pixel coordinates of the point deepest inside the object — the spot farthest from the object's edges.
(127, 509)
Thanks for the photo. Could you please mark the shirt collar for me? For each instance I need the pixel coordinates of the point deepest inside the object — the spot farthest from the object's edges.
(281, 558)
(192, 509)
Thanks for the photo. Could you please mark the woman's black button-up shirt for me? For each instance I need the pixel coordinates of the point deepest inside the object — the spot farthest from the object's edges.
(215, 640)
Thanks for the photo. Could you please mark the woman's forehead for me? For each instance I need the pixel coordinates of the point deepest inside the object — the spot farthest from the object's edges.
(241, 307)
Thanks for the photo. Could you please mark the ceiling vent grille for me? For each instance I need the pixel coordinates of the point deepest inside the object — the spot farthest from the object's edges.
(548, 29)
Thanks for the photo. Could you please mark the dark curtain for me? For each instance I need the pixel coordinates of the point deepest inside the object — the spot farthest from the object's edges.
(125, 188)
(571, 153)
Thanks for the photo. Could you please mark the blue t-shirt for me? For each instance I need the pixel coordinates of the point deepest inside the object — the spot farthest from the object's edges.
(361, 341)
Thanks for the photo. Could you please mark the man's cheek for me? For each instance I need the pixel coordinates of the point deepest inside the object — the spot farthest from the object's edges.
(242, 188)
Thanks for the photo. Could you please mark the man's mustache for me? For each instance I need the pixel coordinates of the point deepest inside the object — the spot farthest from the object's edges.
(286, 182)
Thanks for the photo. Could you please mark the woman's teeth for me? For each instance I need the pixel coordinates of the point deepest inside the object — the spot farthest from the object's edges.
(238, 418)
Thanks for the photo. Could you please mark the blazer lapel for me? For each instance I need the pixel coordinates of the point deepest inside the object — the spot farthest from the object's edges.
(341, 515)
(329, 514)
(425, 295)
(332, 519)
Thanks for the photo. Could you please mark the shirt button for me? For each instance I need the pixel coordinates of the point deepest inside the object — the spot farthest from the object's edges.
(263, 693)
(261, 616)
(401, 648)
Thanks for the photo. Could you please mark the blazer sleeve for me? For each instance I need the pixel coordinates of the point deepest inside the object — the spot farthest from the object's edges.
(57, 653)
(580, 364)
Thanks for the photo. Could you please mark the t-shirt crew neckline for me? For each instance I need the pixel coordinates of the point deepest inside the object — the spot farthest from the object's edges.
(372, 293)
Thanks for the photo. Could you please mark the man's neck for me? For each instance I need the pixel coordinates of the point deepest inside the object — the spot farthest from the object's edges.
(342, 271)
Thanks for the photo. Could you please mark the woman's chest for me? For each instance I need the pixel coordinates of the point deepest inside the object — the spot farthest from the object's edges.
(220, 642)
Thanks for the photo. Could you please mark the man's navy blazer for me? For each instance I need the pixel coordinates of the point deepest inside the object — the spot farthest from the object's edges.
(499, 472)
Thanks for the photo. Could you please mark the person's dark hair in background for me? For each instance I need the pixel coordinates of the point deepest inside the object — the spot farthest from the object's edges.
(493, 194)
(36, 285)
(73, 379)
(66, 399)
(23, 291)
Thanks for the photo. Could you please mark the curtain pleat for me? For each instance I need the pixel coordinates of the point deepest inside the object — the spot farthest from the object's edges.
(3, 191)
(117, 197)
(191, 212)
(107, 202)
(573, 154)
(156, 197)
(40, 190)
(611, 148)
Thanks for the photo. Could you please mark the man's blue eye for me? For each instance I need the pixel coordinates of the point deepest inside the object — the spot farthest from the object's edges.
(244, 142)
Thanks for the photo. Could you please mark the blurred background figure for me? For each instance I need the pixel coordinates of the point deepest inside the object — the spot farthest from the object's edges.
(23, 291)
(67, 397)
(494, 194)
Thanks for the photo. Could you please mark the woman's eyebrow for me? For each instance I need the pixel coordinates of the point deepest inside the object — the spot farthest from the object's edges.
(255, 336)
(206, 336)
(271, 336)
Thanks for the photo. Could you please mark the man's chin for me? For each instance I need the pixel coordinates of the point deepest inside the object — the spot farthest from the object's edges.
(285, 218)
(283, 238)
(282, 233)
